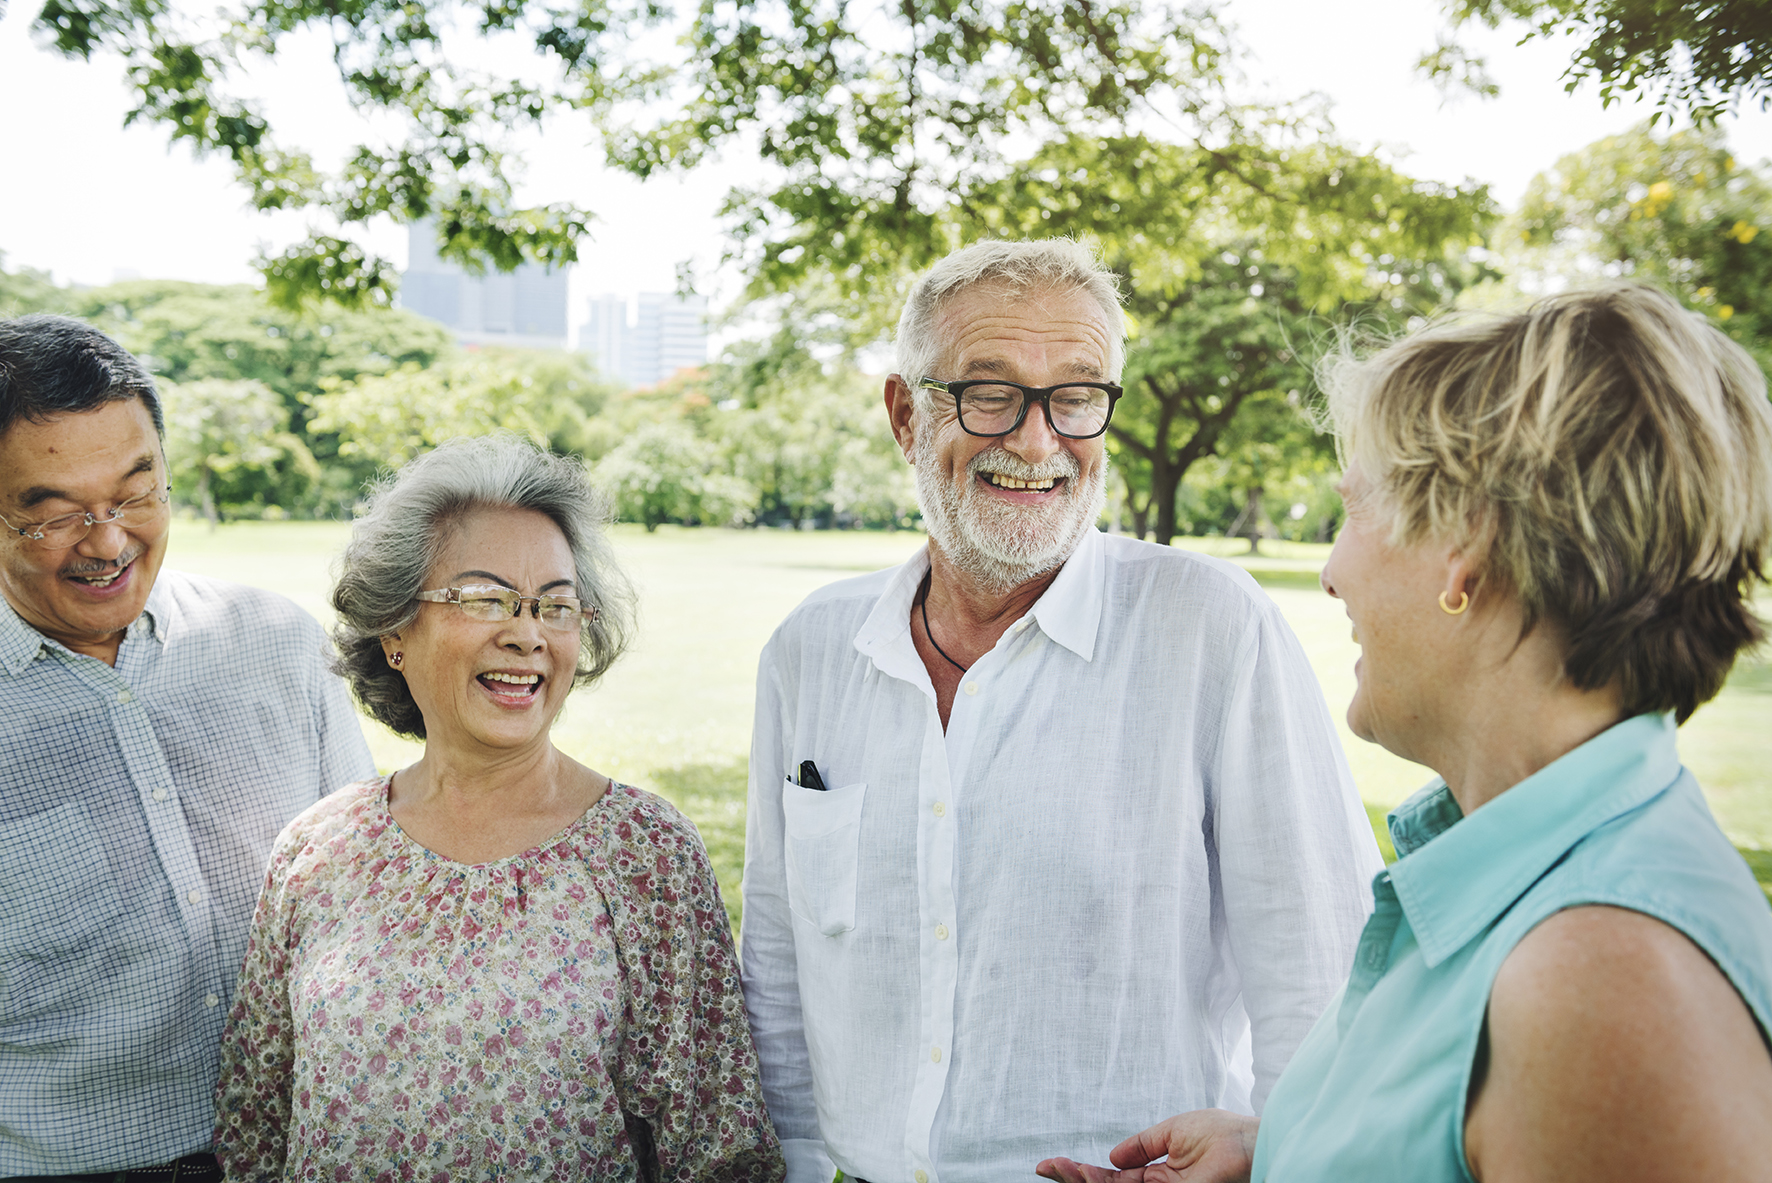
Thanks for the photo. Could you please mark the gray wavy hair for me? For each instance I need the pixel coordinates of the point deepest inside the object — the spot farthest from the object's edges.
(397, 539)
(1019, 269)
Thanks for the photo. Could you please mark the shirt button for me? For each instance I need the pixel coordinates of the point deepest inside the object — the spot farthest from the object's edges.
(972, 687)
(125, 696)
(160, 794)
(935, 1054)
(193, 895)
(941, 809)
(921, 1177)
(941, 932)
(210, 1000)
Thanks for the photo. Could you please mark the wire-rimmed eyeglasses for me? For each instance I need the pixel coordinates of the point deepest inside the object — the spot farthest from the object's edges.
(993, 407)
(67, 530)
(488, 601)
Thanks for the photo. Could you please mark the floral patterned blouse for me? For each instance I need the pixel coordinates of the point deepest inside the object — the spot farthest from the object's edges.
(571, 1012)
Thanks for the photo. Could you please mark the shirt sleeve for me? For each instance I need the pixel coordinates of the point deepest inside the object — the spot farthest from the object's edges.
(252, 1093)
(766, 941)
(1295, 852)
(687, 1066)
(344, 756)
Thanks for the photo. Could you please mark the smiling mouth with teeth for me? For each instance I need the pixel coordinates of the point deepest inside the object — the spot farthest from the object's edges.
(1009, 482)
(500, 683)
(102, 578)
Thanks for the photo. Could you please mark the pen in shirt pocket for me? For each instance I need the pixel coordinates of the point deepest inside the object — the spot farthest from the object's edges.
(809, 778)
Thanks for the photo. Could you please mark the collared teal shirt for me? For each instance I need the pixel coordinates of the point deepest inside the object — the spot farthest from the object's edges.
(1377, 1090)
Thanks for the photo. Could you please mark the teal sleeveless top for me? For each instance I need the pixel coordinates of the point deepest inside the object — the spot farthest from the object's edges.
(1377, 1090)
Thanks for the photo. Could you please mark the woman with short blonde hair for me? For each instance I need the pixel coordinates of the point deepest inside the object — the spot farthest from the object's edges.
(1555, 524)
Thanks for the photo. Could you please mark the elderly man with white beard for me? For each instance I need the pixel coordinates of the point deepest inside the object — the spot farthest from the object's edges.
(1049, 831)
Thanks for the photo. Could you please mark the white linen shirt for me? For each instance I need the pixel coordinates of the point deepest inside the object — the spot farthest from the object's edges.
(1059, 922)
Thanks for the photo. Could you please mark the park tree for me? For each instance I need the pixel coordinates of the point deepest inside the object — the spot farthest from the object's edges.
(384, 420)
(192, 331)
(889, 133)
(1677, 209)
(1229, 339)
(27, 290)
(664, 472)
(1698, 57)
(228, 446)
(808, 433)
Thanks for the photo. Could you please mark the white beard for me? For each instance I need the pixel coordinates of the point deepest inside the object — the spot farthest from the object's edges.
(998, 544)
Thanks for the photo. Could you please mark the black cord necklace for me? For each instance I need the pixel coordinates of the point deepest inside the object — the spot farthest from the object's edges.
(923, 603)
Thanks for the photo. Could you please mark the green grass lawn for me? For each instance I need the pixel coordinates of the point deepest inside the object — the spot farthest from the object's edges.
(674, 715)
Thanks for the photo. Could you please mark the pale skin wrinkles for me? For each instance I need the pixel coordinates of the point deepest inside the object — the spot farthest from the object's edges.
(1039, 339)
(491, 783)
(1616, 1050)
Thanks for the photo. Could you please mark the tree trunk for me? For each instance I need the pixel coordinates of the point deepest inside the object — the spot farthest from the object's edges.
(204, 496)
(1252, 518)
(1165, 484)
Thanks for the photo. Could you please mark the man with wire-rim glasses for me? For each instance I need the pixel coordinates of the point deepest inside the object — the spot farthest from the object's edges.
(157, 730)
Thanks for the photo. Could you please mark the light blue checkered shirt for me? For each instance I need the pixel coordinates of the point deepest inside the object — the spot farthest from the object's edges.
(137, 809)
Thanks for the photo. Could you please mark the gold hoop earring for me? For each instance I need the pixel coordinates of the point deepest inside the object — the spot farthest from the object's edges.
(1464, 601)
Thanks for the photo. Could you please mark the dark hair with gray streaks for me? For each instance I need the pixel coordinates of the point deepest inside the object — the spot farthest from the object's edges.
(397, 539)
(56, 365)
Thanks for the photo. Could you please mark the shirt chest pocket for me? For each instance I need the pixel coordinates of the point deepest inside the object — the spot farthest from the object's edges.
(823, 832)
(57, 899)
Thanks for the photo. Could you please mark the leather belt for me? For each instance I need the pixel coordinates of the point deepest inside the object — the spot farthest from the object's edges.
(192, 1168)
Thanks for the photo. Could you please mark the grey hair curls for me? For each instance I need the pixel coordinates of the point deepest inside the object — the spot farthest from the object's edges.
(395, 542)
(1020, 269)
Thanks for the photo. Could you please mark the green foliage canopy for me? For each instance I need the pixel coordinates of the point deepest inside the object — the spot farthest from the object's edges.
(1675, 209)
(228, 445)
(892, 133)
(1699, 57)
(384, 420)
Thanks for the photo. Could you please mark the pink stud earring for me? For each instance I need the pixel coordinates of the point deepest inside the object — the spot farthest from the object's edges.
(396, 659)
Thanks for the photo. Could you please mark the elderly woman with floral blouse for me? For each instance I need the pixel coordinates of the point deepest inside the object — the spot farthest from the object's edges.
(1555, 525)
(494, 963)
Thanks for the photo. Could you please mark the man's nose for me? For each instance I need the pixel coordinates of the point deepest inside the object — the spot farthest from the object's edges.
(105, 540)
(1326, 583)
(1034, 440)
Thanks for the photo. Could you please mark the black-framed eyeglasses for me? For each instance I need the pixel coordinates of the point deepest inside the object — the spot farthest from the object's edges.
(67, 530)
(993, 407)
(489, 601)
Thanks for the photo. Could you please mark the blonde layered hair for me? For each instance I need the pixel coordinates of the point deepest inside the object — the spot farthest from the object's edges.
(1606, 454)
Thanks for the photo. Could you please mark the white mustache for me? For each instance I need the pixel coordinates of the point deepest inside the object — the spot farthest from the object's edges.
(1003, 462)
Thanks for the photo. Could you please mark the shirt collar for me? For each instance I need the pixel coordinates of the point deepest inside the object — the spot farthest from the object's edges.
(1068, 611)
(20, 644)
(879, 635)
(1456, 875)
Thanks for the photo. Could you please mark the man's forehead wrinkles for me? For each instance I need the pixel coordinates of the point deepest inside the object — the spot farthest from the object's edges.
(37, 494)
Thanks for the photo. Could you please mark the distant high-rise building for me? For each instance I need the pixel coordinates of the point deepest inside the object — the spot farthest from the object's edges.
(605, 334)
(669, 332)
(526, 307)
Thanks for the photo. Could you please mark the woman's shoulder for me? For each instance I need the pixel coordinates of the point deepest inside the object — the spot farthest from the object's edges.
(342, 812)
(635, 815)
(647, 842)
(1660, 884)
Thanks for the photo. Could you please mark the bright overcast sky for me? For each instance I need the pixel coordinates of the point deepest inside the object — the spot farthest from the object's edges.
(89, 200)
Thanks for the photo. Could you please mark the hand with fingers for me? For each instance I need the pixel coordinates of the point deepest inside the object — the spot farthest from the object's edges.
(1205, 1146)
